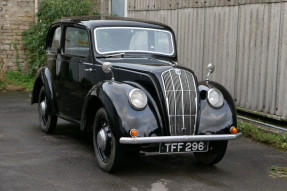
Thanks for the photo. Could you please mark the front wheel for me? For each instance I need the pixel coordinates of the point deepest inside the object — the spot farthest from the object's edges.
(47, 122)
(108, 150)
(215, 153)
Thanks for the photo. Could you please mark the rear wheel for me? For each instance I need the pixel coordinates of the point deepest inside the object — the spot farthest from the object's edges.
(108, 151)
(47, 122)
(215, 153)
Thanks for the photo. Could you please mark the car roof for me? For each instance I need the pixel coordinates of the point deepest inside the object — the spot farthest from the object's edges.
(106, 21)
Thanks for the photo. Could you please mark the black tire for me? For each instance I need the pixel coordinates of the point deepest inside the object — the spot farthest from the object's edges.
(108, 150)
(215, 153)
(47, 122)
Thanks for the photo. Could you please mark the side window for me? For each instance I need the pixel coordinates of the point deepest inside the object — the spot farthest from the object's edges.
(56, 40)
(76, 42)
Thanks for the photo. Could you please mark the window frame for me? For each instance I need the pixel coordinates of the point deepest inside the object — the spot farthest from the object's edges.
(51, 37)
(134, 51)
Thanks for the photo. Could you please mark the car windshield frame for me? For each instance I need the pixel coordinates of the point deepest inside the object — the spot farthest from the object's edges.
(135, 51)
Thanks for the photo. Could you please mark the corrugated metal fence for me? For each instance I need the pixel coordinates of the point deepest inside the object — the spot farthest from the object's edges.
(245, 39)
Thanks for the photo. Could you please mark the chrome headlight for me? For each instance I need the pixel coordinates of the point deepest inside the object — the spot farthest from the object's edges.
(137, 99)
(215, 98)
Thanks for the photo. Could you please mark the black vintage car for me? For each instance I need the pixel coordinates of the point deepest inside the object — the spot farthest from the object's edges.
(119, 78)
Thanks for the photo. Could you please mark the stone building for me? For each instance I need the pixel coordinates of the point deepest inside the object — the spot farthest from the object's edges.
(17, 16)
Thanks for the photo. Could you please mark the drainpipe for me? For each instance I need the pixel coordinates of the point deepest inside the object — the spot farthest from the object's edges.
(36, 10)
(110, 7)
(126, 8)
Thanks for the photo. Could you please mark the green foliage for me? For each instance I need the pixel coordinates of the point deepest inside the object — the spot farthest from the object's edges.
(278, 141)
(17, 56)
(34, 39)
(18, 79)
(278, 172)
(279, 169)
(2, 85)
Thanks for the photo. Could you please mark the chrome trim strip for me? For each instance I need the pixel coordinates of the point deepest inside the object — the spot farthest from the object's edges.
(189, 98)
(165, 139)
(178, 90)
(87, 63)
(195, 121)
(166, 98)
(181, 115)
(182, 105)
(175, 108)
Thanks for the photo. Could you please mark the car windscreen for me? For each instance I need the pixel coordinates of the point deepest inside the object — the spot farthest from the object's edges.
(133, 39)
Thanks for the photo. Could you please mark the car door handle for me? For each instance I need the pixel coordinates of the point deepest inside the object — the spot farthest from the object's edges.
(89, 70)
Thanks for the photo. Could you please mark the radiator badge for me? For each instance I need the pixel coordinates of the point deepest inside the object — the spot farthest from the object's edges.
(178, 72)
(183, 130)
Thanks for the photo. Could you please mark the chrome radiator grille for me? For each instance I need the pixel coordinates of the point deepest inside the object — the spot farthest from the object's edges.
(181, 100)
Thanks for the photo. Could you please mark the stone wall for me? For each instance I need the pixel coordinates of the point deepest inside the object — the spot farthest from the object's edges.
(16, 16)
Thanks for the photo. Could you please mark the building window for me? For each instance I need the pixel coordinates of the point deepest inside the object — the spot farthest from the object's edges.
(119, 8)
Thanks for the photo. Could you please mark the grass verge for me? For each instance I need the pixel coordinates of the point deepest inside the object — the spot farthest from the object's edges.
(17, 81)
(278, 141)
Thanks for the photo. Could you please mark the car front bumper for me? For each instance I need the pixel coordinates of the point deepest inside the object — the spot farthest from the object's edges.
(165, 139)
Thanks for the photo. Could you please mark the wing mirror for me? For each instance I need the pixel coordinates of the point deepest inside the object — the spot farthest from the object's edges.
(210, 68)
(107, 68)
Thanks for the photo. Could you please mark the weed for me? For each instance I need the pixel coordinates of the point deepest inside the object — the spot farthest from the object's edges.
(3, 70)
(278, 172)
(18, 79)
(278, 141)
(17, 56)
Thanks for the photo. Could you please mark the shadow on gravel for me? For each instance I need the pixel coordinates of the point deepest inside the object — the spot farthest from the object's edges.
(72, 132)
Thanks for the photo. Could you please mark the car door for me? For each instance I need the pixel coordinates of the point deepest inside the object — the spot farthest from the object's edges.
(53, 51)
(74, 71)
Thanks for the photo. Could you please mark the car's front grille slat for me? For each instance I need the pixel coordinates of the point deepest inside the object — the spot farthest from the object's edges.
(180, 93)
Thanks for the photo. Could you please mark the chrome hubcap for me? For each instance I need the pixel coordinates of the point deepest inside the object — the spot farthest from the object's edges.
(102, 139)
(43, 108)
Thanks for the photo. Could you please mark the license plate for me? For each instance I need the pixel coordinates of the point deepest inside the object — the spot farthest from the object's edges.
(184, 147)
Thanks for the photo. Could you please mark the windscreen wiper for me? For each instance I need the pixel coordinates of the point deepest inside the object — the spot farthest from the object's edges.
(112, 55)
